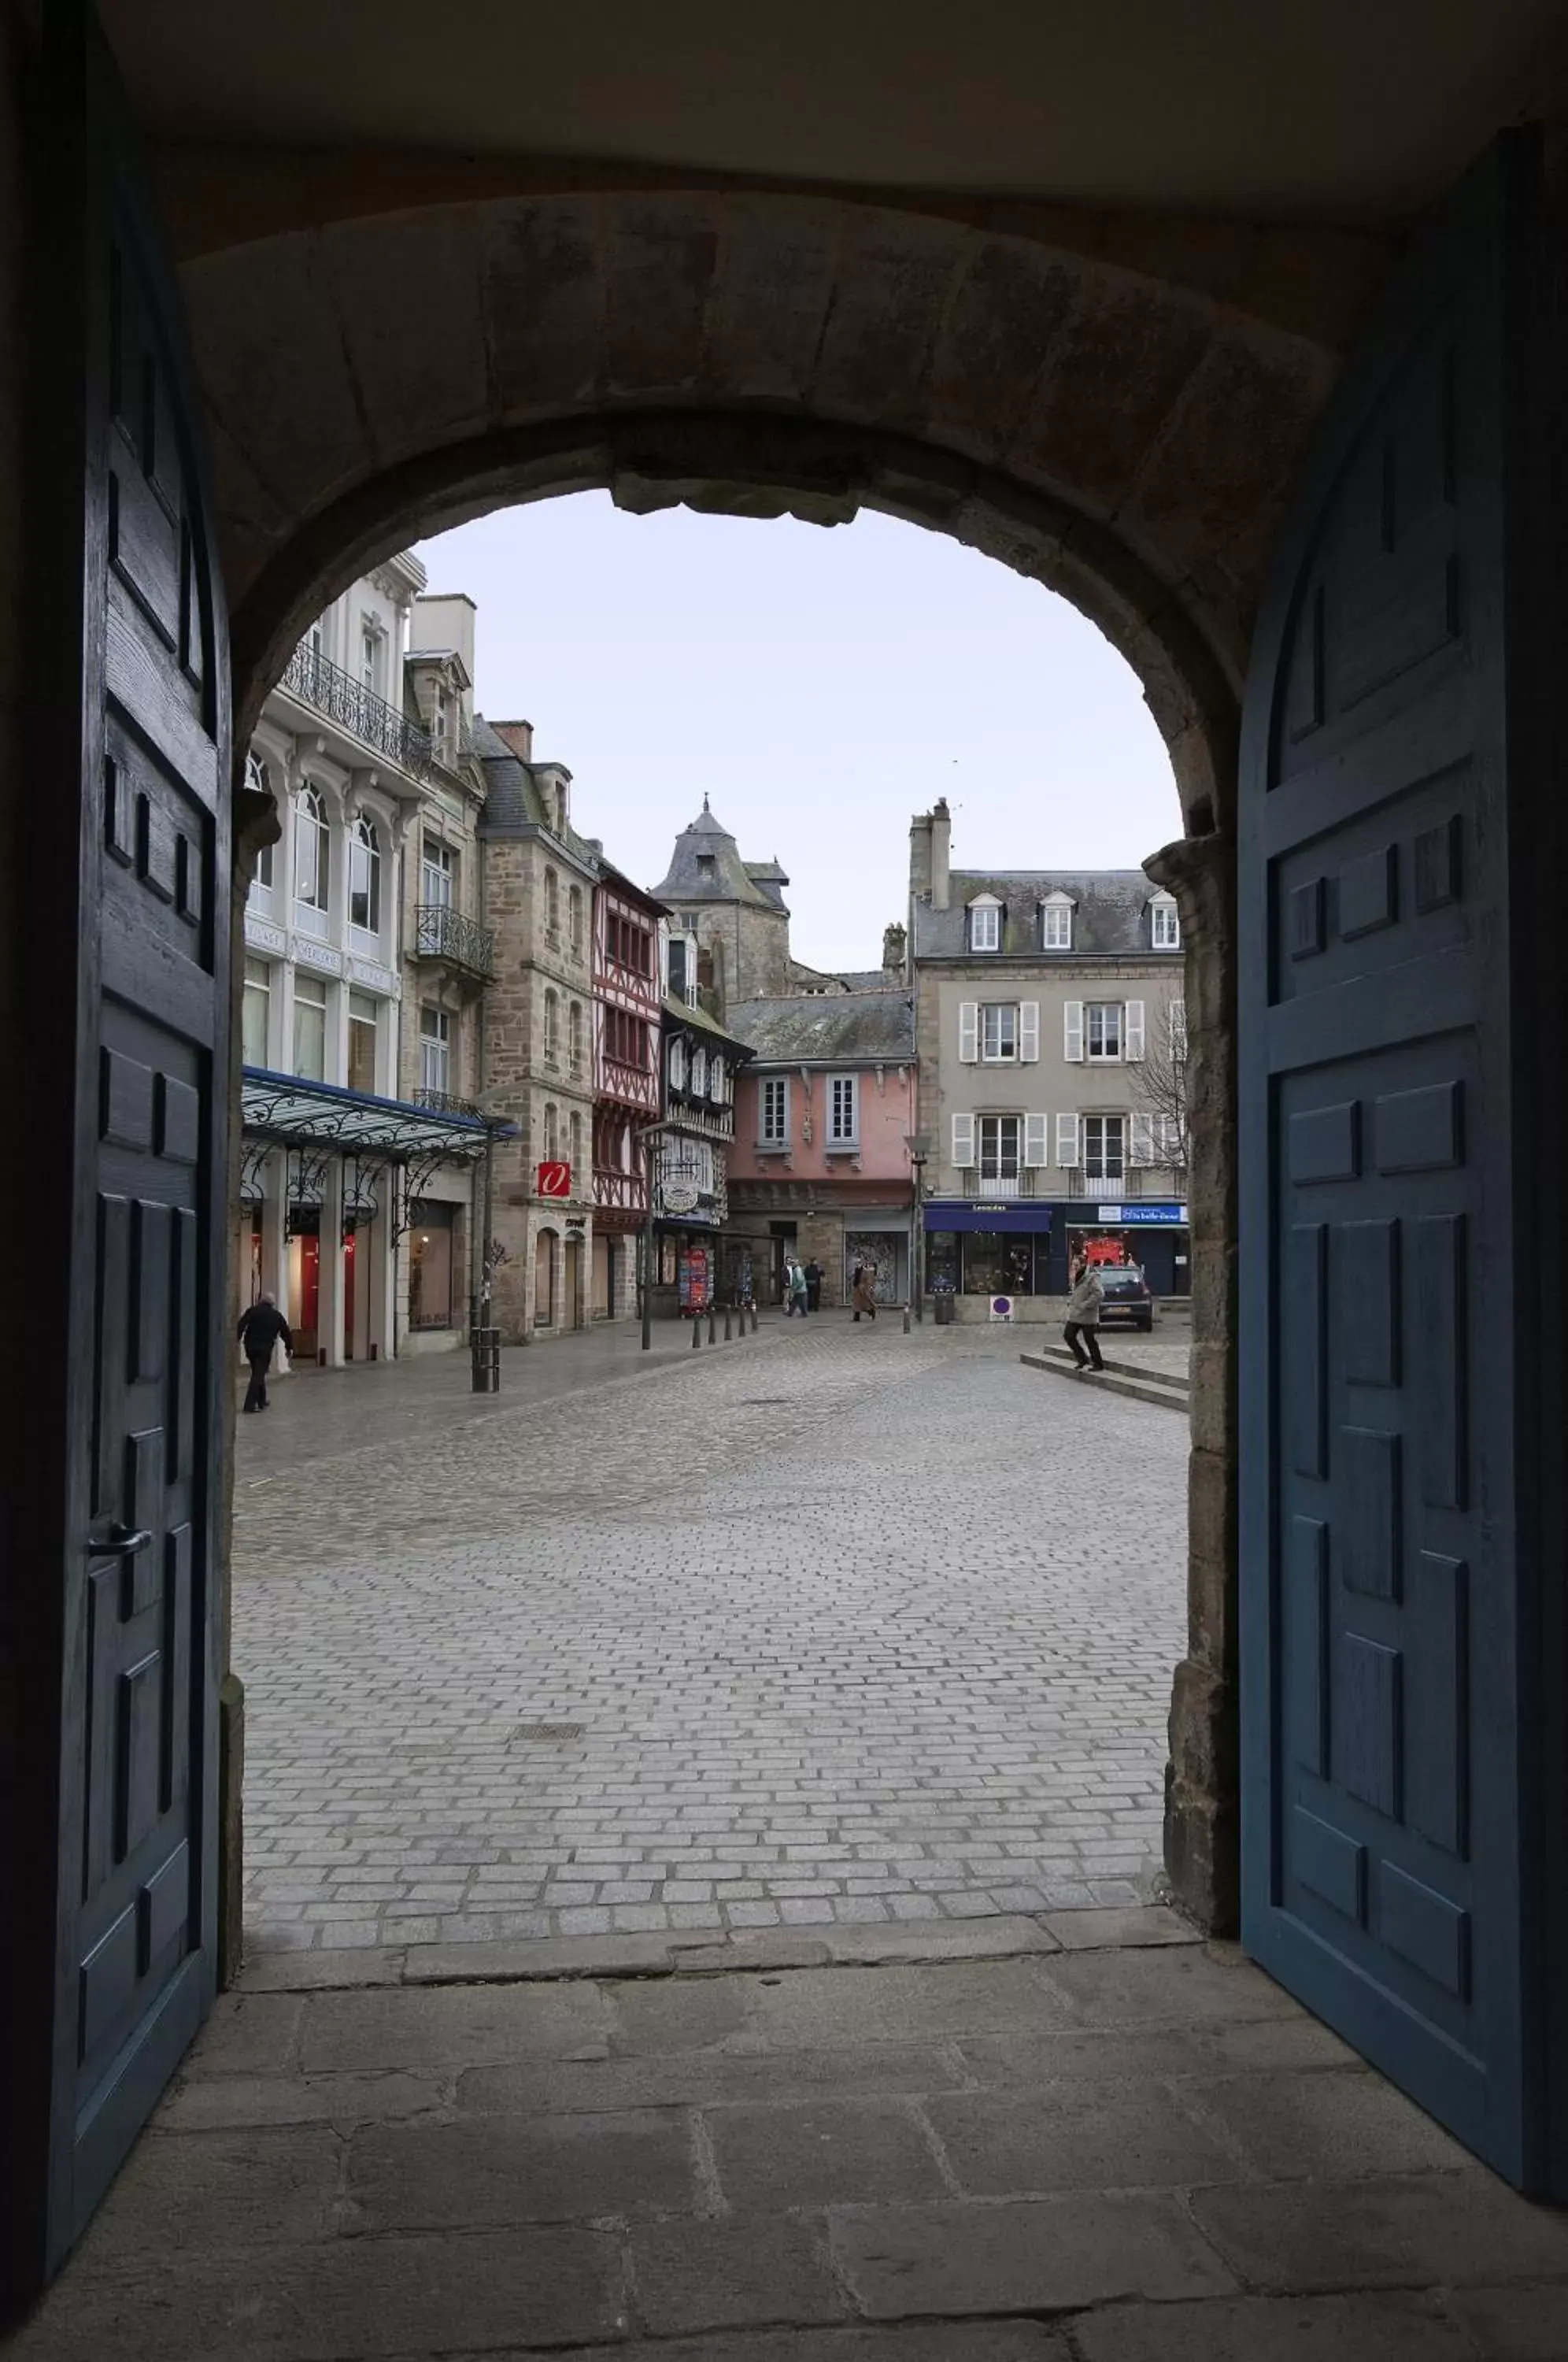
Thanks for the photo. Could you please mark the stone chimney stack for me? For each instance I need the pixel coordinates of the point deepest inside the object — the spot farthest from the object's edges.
(920, 854)
(518, 735)
(941, 827)
(895, 939)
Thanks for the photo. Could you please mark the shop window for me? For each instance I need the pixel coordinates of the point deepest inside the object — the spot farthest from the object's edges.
(1103, 1029)
(437, 874)
(943, 1270)
(313, 851)
(364, 1020)
(1105, 1148)
(256, 1027)
(1001, 1150)
(434, 1050)
(999, 1032)
(430, 1268)
(844, 1111)
(365, 877)
(310, 1028)
(998, 1263)
(773, 1118)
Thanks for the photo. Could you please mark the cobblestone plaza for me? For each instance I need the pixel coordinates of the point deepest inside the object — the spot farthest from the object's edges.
(837, 1625)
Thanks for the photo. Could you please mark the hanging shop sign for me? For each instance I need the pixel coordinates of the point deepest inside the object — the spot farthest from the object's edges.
(680, 1197)
(555, 1180)
(1124, 1214)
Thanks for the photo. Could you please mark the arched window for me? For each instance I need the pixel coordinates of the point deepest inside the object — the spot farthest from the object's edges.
(574, 1036)
(552, 1132)
(677, 1065)
(552, 1027)
(700, 1074)
(574, 1146)
(258, 779)
(574, 918)
(313, 851)
(365, 877)
(552, 903)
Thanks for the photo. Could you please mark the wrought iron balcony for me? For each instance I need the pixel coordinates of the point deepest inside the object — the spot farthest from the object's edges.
(444, 1102)
(441, 932)
(316, 681)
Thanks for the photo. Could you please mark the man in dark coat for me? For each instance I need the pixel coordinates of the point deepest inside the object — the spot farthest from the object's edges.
(814, 1285)
(259, 1330)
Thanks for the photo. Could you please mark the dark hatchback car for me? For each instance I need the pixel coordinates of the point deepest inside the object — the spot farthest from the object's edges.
(1128, 1301)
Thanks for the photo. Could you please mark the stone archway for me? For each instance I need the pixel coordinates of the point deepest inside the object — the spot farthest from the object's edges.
(1123, 439)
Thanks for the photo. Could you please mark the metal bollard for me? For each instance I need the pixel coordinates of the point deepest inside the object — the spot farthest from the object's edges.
(713, 1316)
(906, 1320)
(726, 1324)
(485, 1349)
(754, 1315)
(696, 1330)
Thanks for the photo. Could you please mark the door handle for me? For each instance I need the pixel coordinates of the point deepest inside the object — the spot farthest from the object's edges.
(124, 1541)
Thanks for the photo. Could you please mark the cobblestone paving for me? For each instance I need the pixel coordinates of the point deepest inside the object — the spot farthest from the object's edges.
(843, 1626)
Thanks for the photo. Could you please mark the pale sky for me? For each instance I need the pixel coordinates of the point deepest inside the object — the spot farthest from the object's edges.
(821, 687)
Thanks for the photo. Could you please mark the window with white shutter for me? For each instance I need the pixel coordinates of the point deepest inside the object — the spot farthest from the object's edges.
(1105, 1026)
(1072, 1034)
(1172, 1145)
(1036, 1129)
(1142, 1152)
(1134, 1029)
(963, 1141)
(1104, 1138)
(999, 1032)
(968, 1031)
(1066, 1140)
(1029, 1030)
(1176, 1022)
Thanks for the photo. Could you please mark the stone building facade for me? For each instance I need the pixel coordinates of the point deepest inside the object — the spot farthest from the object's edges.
(539, 884)
(1052, 1032)
(728, 916)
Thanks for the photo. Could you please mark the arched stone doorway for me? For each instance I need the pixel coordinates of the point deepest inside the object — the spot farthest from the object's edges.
(1124, 439)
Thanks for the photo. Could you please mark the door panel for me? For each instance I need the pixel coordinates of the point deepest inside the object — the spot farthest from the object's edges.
(141, 877)
(1387, 1707)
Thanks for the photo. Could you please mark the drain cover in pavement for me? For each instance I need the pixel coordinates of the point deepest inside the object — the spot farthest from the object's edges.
(544, 1732)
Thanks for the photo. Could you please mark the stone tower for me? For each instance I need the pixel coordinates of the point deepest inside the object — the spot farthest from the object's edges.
(734, 908)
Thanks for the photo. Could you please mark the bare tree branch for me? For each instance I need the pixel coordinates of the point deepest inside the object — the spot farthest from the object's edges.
(1163, 1087)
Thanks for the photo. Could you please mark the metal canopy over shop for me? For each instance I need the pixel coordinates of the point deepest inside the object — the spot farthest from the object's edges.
(288, 1110)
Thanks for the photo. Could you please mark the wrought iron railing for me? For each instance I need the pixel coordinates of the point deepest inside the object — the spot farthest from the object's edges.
(442, 933)
(444, 1102)
(336, 694)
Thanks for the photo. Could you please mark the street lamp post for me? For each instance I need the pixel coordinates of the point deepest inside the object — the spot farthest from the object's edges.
(918, 1146)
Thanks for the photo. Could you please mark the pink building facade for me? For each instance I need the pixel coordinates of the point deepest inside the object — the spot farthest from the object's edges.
(821, 1165)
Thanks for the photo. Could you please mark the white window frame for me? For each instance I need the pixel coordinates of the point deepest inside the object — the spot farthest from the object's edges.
(371, 638)
(365, 858)
(718, 1079)
(999, 1158)
(1096, 1014)
(1176, 1031)
(962, 1143)
(677, 1065)
(259, 781)
(312, 831)
(437, 874)
(999, 1029)
(698, 1083)
(844, 1110)
(258, 993)
(1096, 1132)
(366, 1012)
(1164, 923)
(773, 1111)
(435, 1048)
(305, 989)
(1056, 924)
(985, 926)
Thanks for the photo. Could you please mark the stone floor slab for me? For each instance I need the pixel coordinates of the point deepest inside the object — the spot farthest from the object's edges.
(1435, 2229)
(733, 2275)
(1329, 2126)
(186, 2192)
(1515, 2324)
(240, 2102)
(1175, 1985)
(988, 2341)
(1098, 1930)
(449, 2027)
(1088, 2135)
(819, 2151)
(493, 2170)
(1035, 2254)
(910, 2005)
(1362, 2328)
(692, 2079)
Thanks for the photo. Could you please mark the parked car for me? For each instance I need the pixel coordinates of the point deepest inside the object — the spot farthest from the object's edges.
(1127, 1298)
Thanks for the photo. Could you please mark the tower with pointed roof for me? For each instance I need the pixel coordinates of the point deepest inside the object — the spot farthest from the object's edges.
(735, 910)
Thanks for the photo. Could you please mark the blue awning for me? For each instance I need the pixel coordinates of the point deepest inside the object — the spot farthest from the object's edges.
(961, 1214)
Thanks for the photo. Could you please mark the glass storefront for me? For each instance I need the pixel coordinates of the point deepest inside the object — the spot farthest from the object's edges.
(430, 1269)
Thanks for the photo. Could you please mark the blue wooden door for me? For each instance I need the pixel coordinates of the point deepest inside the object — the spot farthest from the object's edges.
(1401, 1724)
(130, 869)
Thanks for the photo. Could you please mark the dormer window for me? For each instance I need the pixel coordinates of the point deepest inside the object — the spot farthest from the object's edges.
(985, 924)
(1164, 923)
(705, 864)
(1057, 924)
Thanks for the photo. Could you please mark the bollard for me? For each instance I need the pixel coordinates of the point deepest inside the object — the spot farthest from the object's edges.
(713, 1316)
(485, 1349)
(696, 1330)
(754, 1315)
(726, 1324)
(906, 1320)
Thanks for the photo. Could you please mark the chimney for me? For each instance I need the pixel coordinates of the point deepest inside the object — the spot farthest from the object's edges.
(518, 735)
(894, 942)
(941, 827)
(920, 854)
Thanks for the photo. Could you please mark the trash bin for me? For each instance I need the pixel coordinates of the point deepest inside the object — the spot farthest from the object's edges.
(942, 1307)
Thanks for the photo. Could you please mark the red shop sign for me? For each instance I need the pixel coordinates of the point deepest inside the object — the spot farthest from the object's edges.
(555, 1180)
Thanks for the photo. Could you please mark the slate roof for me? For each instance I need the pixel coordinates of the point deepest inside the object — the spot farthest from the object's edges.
(838, 1029)
(1110, 915)
(692, 1013)
(512, 798)
(772, 878)
(728, 880)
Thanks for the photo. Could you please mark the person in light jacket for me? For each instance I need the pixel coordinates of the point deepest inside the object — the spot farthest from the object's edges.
(1082, 1331)
(795, 1287)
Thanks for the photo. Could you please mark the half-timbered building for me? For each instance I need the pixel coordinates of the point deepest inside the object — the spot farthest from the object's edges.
(627, 995)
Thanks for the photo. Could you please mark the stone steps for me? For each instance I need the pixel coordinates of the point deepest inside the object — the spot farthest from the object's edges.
(1133, 1379)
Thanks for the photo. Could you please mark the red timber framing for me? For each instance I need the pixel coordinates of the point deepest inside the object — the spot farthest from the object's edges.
(626, 1007)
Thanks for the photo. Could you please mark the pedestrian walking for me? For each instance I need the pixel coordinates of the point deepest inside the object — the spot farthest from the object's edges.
(260, 1326)
(795, 1279)
(1082, 1331)
(814, 1285)
(863, 1290)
